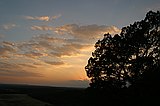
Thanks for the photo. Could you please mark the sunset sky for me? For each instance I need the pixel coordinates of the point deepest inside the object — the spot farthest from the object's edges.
(48, 42)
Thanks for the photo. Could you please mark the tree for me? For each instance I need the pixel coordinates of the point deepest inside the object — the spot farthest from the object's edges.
(124, 59)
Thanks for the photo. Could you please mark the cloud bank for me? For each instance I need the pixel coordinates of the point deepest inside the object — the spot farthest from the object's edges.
(60, 54)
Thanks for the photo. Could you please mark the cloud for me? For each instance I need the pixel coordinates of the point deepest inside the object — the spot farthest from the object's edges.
(37, 44)
(56, 17)
(47, 45)
(8, 65)
(28, 65)
(7, 48)
(54, 63)
(43, 18)
(69, 49)
(80, 34)
(18, 73)
(33, 54)
(15, 69)
(44, 48)
(49, 38)
(8, 26)
(86, 32)
(52, 55)
(42, 28)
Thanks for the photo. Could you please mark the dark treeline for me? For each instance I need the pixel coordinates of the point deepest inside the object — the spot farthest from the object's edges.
(125, 68)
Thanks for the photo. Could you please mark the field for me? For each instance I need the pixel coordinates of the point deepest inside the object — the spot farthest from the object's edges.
(20, 100)
(27, 95)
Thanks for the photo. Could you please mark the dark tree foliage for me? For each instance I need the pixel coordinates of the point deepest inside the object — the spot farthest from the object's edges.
(124, 59)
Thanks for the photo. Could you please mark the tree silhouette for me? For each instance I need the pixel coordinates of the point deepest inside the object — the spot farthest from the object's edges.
(125, 59)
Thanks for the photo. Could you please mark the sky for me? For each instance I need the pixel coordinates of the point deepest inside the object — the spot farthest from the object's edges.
(48, 42)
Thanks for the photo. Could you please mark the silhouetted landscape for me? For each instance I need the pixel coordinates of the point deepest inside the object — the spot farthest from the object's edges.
(12, 95)
(123, 70)
(58, 96)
